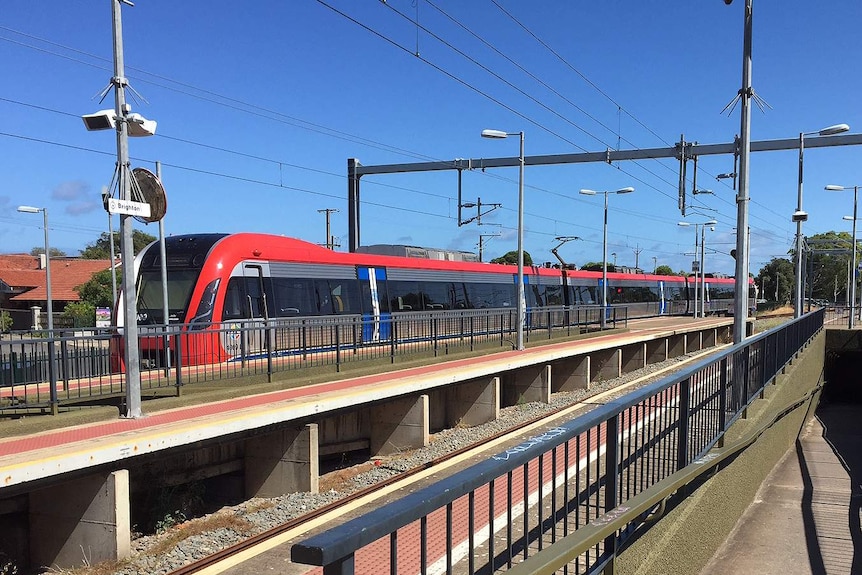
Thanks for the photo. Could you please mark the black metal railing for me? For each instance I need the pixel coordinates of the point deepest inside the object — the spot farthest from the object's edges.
(509, 507)
(40, 373)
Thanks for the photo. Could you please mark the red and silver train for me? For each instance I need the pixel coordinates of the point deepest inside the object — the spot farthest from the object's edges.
(213, 279)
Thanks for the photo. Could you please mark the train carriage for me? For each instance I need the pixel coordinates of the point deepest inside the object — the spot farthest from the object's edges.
(218, 283)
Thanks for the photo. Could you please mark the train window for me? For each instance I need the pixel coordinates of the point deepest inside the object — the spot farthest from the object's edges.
(459, 296)
(534, 294)
(233, 299)
(404, 296)
(345, 296)
(323, 297)
(204, 314)
(294, 296)
(553, 295)
(436, 295)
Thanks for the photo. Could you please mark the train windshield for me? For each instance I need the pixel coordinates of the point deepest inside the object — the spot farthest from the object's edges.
(150, 300)
(184, 257)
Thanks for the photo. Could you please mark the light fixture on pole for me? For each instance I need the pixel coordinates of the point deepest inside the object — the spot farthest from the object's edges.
(522, 303)
(605, 248)
(800, 216)
(834, 188)
(48, 297)
(125, 124)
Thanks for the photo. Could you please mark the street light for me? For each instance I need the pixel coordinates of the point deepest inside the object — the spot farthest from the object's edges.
(614, 254)
(834, 188)
(522, 304)
(702, 267)
(605, 248)
(34, 210)
(800, 216)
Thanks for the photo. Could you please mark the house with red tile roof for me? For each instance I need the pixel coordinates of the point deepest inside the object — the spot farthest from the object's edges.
(23, 282)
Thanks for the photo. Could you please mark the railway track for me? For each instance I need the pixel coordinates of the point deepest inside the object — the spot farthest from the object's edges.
(235, 555)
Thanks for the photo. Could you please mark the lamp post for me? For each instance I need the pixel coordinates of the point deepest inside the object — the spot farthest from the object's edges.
(605, 248)
(48, 297)
(614, 255)
(522, 304)
(834, 188)
(702, 268)
(800, 216)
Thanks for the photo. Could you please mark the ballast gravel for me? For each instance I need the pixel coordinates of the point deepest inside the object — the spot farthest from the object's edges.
(258, 515)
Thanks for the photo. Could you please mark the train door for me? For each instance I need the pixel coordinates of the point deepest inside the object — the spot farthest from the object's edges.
(257, 311)
(662, 301)
(376, 319)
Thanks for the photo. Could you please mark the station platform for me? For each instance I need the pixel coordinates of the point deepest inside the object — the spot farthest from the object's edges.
(37, 455)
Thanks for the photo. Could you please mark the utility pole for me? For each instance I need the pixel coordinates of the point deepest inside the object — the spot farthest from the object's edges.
(654, 264)
(330, 241)
(482, 243)
(637, 252)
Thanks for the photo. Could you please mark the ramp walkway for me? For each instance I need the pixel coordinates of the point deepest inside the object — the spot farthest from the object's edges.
(805, 519)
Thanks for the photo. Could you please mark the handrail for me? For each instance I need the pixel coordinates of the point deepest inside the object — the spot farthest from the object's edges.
(692, 399)
(553, 558)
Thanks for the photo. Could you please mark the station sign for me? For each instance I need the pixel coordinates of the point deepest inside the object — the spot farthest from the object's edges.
(129, 208)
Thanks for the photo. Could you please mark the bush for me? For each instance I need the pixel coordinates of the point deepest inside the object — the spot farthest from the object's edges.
(81, 314)
(5, 321)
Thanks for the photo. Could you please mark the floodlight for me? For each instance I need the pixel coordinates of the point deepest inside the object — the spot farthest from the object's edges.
(101, 120)
(140, 126)
(107, 120)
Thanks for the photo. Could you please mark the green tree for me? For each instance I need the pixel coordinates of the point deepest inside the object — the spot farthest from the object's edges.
(511, 258)
(97, 291)
(664, 271)
(82, 313)
(827, 265)
(55, 253)
(775, 280)
(101, 248)
(5, 321)
(597, 267)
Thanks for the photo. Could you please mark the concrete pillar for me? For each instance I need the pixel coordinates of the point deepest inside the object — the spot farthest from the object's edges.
(474, 402)
(285, 461)
(676, 345)
(35, 313)
(633, 357)
(528, 384)
(399, 425)
(79, 522)
(656, 350)
(571, 373)
(606, 364)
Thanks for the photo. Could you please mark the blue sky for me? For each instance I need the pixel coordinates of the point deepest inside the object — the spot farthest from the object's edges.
(259, 106)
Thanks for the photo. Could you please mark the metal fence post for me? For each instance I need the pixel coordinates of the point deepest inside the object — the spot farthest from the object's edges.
(684, 413)
(722, 401)
(178, 357)
(52, 377)
(611, 485)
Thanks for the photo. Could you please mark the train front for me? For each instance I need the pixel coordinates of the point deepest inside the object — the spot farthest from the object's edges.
(189, 310)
